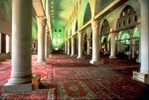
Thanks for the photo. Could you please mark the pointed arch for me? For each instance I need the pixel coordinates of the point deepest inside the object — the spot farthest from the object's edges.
(85, 6)
(105, 27)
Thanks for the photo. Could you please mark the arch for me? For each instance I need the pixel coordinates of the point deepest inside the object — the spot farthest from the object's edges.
(105, 27)
(127, 16)
(84, 6)
(136, 32)
(127, 10)
(88, 32)
(95, 6)
(109, 37)
(87, 15)
(103, 39)
(125, 38)
(104, 3)
(74, 26)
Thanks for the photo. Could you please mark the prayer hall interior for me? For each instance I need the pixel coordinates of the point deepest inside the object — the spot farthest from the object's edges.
(74, 49)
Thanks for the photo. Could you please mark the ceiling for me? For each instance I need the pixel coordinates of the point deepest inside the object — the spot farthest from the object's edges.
(60, 11)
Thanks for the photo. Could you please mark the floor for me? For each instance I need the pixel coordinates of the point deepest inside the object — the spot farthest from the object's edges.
(68, 78)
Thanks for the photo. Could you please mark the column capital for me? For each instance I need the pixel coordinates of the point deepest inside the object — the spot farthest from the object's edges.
(72, 37)
(41, 20)
(95, 23)
(79, 32)
(88, 39)
(112, 33)
(47, 31)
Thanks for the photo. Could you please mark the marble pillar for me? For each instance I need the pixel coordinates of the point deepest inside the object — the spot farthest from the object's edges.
(80, 53)
(21, 72)
(41, 21)
(133, 48)
(88, 46)
(72, 46)
(65, 47)
(68, 47)
(47, 44)
(113, 46)
(95, 43)
(143, 74)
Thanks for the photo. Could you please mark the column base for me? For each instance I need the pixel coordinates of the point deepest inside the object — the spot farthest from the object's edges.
(68, 54)
(41, 63)
(95, 62)
(72, 55)
(17, 87)
(112, 57)
(141, 77)
(79, 57)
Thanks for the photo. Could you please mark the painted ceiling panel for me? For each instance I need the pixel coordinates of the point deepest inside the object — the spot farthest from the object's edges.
(60, 11)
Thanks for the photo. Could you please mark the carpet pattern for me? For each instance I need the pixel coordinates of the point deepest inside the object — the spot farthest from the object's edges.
(74, 90)
(70, 78)
(38, 95)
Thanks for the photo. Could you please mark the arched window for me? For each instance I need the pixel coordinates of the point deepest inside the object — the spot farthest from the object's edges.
(127, 16)
(2, 12)
(125, 38)
(105, 27)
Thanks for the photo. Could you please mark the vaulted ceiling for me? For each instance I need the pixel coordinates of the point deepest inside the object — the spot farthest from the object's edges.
(60, 11)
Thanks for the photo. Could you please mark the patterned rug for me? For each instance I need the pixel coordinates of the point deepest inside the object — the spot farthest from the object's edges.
(32, 95)
(65, 77)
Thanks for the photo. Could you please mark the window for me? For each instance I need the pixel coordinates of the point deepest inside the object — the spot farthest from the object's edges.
(60, 30)
(127, 16)
(55, 30)
(135, 18)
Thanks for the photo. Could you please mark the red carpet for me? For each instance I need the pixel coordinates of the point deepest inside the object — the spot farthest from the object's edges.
(27, 96)
(71, 78)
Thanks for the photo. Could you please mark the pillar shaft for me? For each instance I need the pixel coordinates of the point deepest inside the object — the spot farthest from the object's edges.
(80, 55)
(72, 47)
(112, 53)
(65, 47)
(143, 75)
(21, 72)
(144, 37)
(41, 39)
(95, 43)
(47, 44)
(88, 46)
(133, 48)
(68, 47)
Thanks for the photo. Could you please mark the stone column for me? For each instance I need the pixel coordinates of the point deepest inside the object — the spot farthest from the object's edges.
(88, 46)
(143, 75)
(112, 53)
(68, 47)
(47, 44)
(80, 55)
(21, 72)
(72, 47)
(133, 48)
(65, 47)
(50, 45)
(95, 43)
(41, 21)
(118, 46)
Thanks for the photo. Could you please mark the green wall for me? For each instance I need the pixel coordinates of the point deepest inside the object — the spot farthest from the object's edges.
(57, 38)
